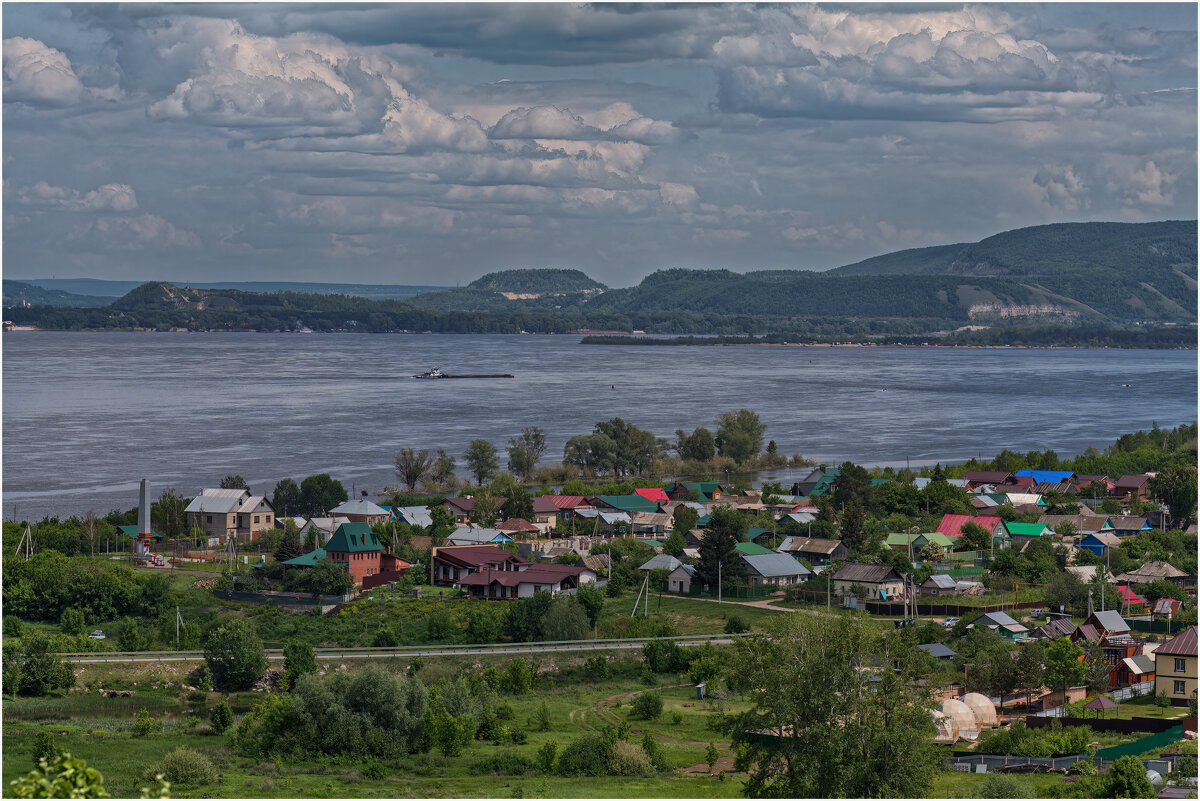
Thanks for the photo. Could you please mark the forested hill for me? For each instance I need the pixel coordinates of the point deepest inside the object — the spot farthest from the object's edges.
(536, 282)
(19, 293)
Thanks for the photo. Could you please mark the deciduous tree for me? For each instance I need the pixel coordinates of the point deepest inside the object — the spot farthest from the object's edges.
(412, 466)
(525, 450)
(481, 460)
(739, 434)
(235, 655)
(286, 498)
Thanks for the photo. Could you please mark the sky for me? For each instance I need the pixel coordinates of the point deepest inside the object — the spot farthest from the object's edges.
(416, 143)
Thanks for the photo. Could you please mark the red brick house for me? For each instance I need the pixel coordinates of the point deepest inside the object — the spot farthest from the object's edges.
(1127, 488)
(450, 563)
(354, 545)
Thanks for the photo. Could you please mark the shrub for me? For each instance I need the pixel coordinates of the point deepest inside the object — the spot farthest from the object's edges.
(235, 655)
(630, 760)
(373, 770)
(507, 763)
(654, 752)
(517, 678)
(547, 757)
(647, 706)
(185, 766)
(1001, 785)
(585, 756)
(197, 697)
(676, 717)
(541, 718)
(384, 638)
(143, 725)
(735, 625)
(60, 777)
(204, 677)
(44, 747)
(222, 718)
(597, 667)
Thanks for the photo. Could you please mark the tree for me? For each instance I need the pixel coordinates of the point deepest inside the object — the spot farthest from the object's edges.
(290, 545)
(565, 621)
(853, 485)
(723, 533)
(711, 755)
(235, 655)
(31, 668)
(481, 460)
(853, 527)
(634, 449)
(320, 493)
(699, 446)
(739, 434)
(72, 622)
(840, 731)
(90, 529)
(591, 598)
(1063, 665)
(234, 482)
(1030, 668)
(1176, 486)
(298, 659)
(411, 466)
(684, 520)
(675, 543)
(286, 498)
(328, 577)
(441, 471)
(525, 450)
(975, 538)
(1127, 779)
(647, 706)
(221, 718)
(168, 515)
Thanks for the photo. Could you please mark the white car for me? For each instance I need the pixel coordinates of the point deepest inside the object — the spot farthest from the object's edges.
(97, 635)
(949, 622)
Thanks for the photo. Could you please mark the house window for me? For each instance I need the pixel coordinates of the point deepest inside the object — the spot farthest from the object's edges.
(1180, 666)
(256, 518)
(209, 518)
(1178, 688)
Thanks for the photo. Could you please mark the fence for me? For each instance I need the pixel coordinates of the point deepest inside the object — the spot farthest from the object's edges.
(965, 762)
(1160, 740)
(696, 590)
(1100, 724)
(286, 598)
(876, 608)
(1168, 627)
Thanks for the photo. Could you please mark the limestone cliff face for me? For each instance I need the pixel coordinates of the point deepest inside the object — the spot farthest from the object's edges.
(1035, 310)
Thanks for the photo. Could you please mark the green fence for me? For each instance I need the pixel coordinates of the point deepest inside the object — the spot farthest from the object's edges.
(1160, 740)
(1157, 626)
(745, 593)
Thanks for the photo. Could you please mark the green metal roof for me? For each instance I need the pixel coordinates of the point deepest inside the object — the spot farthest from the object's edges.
(133, 532)
(751, 549)
(879, 482)
(308, 560)
(755, 533)
(629, 503)
(1027, 529)
(353, 537)
(654, 543)
(704, 489)
(703, 520)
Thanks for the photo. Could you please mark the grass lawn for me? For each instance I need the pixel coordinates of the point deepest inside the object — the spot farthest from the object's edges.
(952, 784)
(693, 616)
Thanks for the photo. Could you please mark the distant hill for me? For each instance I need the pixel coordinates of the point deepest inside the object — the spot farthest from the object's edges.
(115, 289)
(540, 282)
(17, 293)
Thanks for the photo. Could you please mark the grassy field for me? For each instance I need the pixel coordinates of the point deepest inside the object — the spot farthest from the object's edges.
(692, 616)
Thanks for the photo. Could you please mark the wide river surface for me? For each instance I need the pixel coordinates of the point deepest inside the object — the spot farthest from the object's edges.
(86, 415)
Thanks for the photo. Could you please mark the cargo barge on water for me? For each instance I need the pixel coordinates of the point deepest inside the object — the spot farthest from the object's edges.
(436, 373)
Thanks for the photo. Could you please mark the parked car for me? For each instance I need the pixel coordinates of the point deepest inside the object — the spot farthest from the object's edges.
(1038, 613)
(949, 622)
(97, 635)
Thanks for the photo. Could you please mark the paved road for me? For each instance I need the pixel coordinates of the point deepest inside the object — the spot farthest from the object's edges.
(172, 656)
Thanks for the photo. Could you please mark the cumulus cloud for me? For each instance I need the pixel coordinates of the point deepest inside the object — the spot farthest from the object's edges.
(141, 232)
(38, 74)
(1060, 187)
(109, 197)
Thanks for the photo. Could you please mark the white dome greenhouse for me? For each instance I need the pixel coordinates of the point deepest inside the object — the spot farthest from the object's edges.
(983, 709)
(947, 729)
(963, 717)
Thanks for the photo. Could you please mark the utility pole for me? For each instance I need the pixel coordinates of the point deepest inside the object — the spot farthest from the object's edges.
(718, 581)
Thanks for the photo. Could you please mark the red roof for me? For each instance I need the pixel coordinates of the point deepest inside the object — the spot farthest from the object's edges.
(538, 574)
(656, 494)
(1128, 596)
(566, 501)
(988, 476)
(1132, 481)
(516, 524)
(1024, 481)
(477, 555)
(951, 525)
(1183, 644)
(544, 504)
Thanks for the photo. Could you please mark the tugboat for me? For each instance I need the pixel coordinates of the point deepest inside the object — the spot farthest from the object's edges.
(434, 372)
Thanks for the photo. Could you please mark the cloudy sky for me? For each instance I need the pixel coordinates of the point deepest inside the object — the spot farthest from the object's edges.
(430, 143)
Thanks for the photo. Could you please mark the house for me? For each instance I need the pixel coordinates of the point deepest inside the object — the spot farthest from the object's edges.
(1102, 483)
(413, 515)
(469, 535)
(879, 581)
(225, 513)
(1126, 488)
(650, 523)
(1085, 573)
(354, 545)
(1018, 500)
(752, 549)
(921, 483)
(1057, 627)
(1099, 626)
(656, 494)
(1132, 670)
(813, 549)
(523, 583)
(360, 510)
(629, 504)
(818, 482)
(1082, 523)
(451, 563)
(978, 478)
(939, 584)
(918, 542)
(1167, 606)
(681, 578)
(952, 525)
(545, 512)
(1050, 476)
(1098, 543)
(1027, 532)
(460, 508)
(705, 491)
(773, 570)
(606, 522)
(1175, 668)
(1129, 525)
(1002, 624)
(661, 561)
(319, 529)
(936, 649)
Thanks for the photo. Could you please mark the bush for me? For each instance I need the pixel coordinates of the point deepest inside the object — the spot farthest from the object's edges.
(373, 770)
(235, 655)
(654, 752)
(186, 766)
(547, 757)
(630, 760)
(676, 717)
(541, 718)
(517, 678)
(44, 747)
(60, 777)
(585, 756)
(647, 706)
(143, 725)
(1004, 786)
(506, 763)
(222, 718)
(597, 667)
(735, 625)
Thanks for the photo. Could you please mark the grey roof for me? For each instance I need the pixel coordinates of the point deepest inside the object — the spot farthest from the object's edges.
(1058, 627)
(942, 581)
(868, 574)
(938, 650)
(772, 565)
(214, 504)
(689, 569)
(415, 515)
(662, 561)
(1112, 621)
(998, 619)
(359, 506)
(477, 536)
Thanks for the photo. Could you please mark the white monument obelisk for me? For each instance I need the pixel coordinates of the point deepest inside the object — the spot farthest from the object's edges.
(141, 545)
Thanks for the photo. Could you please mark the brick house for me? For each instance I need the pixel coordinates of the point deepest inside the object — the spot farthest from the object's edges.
(1175, 668)
(225, 513)
(450, 563)
(354, 545)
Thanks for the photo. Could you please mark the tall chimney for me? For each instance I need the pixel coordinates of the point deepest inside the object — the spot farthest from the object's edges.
(144, 508)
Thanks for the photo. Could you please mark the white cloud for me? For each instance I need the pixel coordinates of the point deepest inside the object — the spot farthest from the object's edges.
(142, 232)
(112, 197)
(36, 73)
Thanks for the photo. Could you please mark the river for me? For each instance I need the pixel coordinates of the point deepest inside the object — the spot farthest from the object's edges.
(87, 415)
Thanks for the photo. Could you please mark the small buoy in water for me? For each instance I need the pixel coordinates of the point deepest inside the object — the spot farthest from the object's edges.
(614, 386)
